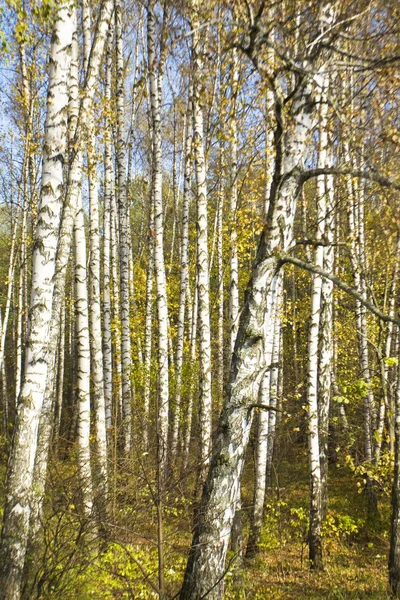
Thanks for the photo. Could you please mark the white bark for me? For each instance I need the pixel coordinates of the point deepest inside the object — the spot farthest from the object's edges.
(124, 241)
(159, 262)
(184, 282)
(220, 276)
(97, 376)
(108, 183)
(148, 330)
(189, 411)
(387, 400)
(326, 341)
(263, 432)
(234, 263)
(83, 362)
(16, 514)
(206, 564)
(361, 319)
(315, 546)
(202, 257)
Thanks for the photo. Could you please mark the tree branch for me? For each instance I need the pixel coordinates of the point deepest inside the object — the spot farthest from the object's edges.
(363, 174)
(340, 284)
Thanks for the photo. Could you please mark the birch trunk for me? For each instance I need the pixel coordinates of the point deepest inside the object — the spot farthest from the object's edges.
(394, 554)
(262, 439)
(220, 275)
(10, 286)
(206, 563)
(202, 257)
(16, 514)
(273, 395)
(108, 182)
(124, 241)
(361, 319)
(83, 358)
(189, 412)
(315, 543)
(326, 342)
(387, 401)
(183, 283)
(97, 376)
(234, 284)
(148, 330)
(159, 262)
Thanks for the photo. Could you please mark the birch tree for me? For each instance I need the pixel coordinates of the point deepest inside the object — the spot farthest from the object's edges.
(206, 563)
(16, 514)
(202, 250)
(155, 74)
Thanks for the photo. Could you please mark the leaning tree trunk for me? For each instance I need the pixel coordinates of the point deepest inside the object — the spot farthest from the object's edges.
(16, 513)
(206, 563)
(78, 112)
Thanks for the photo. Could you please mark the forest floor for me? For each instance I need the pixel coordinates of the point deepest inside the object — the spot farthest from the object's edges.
(355, 545)
(355, 548)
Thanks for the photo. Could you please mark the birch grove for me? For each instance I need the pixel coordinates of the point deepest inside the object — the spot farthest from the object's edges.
(199, 281)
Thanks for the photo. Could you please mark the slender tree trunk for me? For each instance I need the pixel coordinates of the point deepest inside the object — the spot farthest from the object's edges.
(97, 377)
(387, 400)
(361, 319)
(148, 330)
(183, 284)
(159, 262)
(326, 354)
(10, 286)
(60, 375)
(108, 183)
(220, 275)
(273, 394)
(234, 284)
(83, 354)
(394, 554)
(124, 241)
(189, 411)
(202, 258)
(315, 542)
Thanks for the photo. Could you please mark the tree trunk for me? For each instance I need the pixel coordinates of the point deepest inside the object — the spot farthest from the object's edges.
(394, 554)
(206, 563)
(83, 354)
(183, 284)
(124, 237)
(202, 259)
(155, 75)
(100, 474)
(16, 513)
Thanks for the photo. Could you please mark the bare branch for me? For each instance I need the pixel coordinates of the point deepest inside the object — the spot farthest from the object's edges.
(363, 174)
(340, 284)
